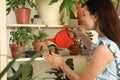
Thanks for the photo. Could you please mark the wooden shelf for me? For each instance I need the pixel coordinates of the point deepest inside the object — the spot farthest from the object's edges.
(26, 59)
(40, 58)
(42, 26)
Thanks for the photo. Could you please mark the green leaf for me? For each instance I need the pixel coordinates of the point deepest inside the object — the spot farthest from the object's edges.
(69, 62)
(9, 66)
(69, 6)
(28, 63)
(27, 73)
(14, 4)
(52, 2)
(73, 8)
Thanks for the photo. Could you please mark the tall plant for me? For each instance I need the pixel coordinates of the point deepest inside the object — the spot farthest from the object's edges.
(14, 4)
(68, 5)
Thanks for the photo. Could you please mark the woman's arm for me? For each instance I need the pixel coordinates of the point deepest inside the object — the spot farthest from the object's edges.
(101, 57)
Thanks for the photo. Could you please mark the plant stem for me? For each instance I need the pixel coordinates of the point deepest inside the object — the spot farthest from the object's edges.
(117, 5)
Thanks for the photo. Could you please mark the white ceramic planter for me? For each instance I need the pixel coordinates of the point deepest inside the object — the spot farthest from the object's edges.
(49, 13)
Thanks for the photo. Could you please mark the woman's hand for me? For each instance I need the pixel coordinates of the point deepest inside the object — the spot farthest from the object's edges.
(53, 59)
(82, 36)
(79, 34)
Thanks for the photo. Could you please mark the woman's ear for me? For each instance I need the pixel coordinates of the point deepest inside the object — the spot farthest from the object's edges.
(95, 17)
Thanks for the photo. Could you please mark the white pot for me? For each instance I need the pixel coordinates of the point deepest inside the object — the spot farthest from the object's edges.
(49, 13)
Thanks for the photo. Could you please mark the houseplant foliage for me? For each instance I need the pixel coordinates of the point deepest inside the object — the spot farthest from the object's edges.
(14, 4)
(59, 73)
(41, 36)
(20, 37)
(53, 49)
(22, 13)
(39, 40)
(26, 65)
(27, 74)
(68, 5)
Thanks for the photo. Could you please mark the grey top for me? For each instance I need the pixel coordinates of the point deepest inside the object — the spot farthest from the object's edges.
(112, 70)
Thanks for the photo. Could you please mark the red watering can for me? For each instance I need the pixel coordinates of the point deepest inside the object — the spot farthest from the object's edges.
(63, 39)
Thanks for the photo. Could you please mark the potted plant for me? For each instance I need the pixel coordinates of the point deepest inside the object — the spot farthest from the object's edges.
(53, 49)
(71, 6)
(19, 6)
(20, 37)
(39, 40)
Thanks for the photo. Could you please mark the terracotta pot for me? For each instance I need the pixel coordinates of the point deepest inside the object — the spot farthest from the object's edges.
(79, 14)
(38, 45)
(22, 15)
(16, 49)
(74, 49)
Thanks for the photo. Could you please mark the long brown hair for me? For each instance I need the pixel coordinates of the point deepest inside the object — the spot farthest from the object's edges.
(108, 19)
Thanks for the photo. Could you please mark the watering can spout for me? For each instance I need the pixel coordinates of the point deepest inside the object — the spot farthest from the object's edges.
(53, 40)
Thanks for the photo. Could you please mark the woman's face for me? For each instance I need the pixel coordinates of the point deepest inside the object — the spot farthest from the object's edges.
(88, 19)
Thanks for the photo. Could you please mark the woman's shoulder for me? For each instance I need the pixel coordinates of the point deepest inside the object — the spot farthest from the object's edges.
(111, 44)
(107, 42)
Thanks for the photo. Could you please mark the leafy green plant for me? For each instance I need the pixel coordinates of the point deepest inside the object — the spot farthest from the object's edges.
(69, 62)
(68, 5)
(41, 36)
(26, 65)
(27, 74)
(21, 35)
(53, 48)
(14, 4)
(59, 73)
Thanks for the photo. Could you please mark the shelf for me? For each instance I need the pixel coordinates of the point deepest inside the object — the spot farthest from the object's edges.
(42, 26)
(23, 25)
(26, 59)
(40, 58)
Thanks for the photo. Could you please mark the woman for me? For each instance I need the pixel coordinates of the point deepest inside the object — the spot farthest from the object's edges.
(98, 15)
